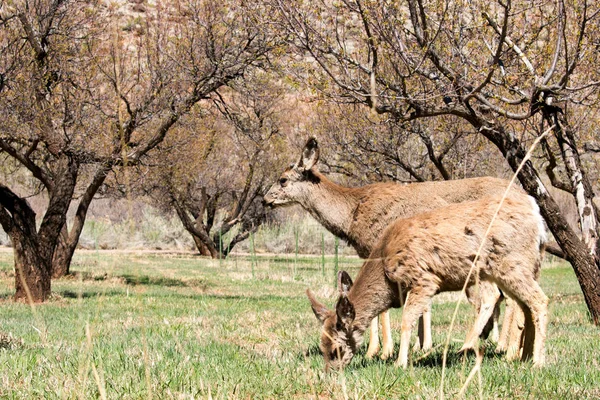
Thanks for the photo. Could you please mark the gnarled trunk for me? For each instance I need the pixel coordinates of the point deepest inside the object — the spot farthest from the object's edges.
(33, 248)
(63, 254)
(67, 243)
(585, 265)
(581, 188)
(32, 270)
(197, 232)
(202, 248)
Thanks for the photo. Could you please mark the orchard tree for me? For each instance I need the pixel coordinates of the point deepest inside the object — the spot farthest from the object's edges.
(82, 97)
(509, 69)
(217, 189)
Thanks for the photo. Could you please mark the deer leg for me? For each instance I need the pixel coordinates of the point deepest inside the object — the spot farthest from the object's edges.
(509, 314)
(491, 327)
(488, 297)
(539, 313)
(495, 319)
(424, 341)
(515, 332)
(534, 304)
(492, 323)
(386, 330)
(536, 319)
(528, 340)
(373, 348)
(417, 302)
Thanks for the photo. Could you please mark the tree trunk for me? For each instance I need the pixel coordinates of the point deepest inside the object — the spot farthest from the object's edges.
(191, 227)
(584, 264)
(202, 248)
(67, 243)
(61, 261)
(581, 187)
(32, 271)
(34, 249)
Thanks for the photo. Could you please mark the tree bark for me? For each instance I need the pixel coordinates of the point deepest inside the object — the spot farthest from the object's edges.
(32, 270)
(61, 261)
(555, 250)
(202, 248)
(32, 279)
(581, 187)
(67, 243)
(34, 249)
(200, 234)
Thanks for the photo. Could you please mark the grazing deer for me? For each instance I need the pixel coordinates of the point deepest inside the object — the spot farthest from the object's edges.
(433, 252)
(359, 215)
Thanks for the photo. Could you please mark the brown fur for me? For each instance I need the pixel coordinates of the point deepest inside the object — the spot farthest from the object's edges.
(432, 253)
(359, 215)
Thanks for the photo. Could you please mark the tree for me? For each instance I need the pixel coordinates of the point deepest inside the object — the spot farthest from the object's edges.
(508, 69)
(368, 147)
(81, 99)
(217, 189)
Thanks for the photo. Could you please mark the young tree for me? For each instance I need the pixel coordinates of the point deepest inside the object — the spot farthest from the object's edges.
(509, 69)
(80, 95)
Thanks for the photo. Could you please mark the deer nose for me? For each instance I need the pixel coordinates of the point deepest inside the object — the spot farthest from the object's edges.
(268, 201)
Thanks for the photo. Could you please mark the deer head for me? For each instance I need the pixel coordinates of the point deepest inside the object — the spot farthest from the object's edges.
(338, 341)
(296, 180)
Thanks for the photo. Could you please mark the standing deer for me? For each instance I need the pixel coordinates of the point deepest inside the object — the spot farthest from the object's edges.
(359, 215)
(433, 252)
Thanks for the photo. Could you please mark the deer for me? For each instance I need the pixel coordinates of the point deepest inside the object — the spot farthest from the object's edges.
(441, 251)
(359, 216)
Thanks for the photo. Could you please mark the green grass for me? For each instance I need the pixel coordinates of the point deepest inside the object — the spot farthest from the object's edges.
(132, 326)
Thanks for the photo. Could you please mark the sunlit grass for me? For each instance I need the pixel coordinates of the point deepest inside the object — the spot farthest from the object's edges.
(178, 326)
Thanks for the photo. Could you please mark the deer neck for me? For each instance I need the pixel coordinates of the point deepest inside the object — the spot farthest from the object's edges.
(371, 294)
(332, 205)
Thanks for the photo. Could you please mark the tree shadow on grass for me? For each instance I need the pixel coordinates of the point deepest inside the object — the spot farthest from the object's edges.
(152, 280)
(134, 280)
(146, 280)
(69, 294)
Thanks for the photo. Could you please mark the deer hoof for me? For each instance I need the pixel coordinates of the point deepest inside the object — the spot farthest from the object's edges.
(427, 346)
(387, 353)
(372, 352)
(417, 346)
(466, 348)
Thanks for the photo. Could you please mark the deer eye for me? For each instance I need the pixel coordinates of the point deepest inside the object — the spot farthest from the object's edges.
(283, 181)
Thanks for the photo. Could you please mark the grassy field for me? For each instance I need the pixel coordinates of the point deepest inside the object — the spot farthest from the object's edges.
(161, 326)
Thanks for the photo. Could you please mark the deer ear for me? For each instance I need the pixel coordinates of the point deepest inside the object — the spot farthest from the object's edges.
(321, 312)
(344, 282)
(310, 155)
(345, 311)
